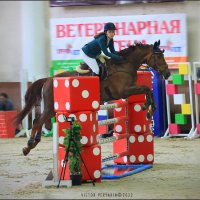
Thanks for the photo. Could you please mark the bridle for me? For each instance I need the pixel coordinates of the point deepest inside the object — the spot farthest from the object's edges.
(155, 52)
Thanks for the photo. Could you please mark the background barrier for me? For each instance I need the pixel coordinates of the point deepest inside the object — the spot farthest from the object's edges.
(7, 128)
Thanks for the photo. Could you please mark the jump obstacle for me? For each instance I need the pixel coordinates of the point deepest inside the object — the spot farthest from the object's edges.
(183, 99)
(132, 140)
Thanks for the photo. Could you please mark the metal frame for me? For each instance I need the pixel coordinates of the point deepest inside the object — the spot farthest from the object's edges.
(53, 177)
(23, 88)
(195, 133)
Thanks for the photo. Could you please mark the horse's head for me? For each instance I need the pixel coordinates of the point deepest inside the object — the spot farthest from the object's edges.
(147, 54)
(155, 59)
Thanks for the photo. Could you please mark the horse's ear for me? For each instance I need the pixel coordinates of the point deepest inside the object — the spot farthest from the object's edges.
(155, 45)
(158, 43)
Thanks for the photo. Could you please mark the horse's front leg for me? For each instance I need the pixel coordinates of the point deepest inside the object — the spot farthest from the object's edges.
(134, 90)
(152, 105)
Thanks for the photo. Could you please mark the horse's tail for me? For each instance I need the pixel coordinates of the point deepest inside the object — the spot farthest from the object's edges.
(32, 96)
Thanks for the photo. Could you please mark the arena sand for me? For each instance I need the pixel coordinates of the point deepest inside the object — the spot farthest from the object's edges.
(175, 174)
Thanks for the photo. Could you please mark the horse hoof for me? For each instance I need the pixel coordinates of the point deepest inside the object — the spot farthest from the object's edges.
(148, 115)
(109, 134)
(25, 151)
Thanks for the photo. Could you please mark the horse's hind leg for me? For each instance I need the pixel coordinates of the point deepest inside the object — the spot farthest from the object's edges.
(32, 141)
(37, 128)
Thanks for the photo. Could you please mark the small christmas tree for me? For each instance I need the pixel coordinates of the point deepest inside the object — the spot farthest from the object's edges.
(75, 149)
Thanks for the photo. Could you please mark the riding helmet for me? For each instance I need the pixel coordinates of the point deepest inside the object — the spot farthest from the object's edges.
(109, 26)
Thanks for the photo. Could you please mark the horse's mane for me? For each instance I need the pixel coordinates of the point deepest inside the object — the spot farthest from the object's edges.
(132, 47)
(135, 46)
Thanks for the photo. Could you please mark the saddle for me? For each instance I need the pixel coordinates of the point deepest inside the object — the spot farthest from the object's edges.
(84, 69)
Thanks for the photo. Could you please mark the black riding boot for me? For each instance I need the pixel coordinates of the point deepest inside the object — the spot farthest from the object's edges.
(103, 72)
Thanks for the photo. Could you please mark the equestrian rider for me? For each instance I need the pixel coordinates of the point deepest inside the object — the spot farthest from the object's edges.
(99, 44)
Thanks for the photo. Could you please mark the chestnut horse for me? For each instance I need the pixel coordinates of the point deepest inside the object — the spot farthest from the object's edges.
(120, 83)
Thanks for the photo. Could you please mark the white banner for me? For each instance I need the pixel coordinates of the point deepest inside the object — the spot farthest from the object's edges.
(68, 35)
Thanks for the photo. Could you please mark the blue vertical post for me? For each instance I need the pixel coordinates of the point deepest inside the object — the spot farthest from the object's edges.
(159, 120)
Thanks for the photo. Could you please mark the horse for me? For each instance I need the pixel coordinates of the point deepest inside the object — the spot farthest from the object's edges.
(120, 83)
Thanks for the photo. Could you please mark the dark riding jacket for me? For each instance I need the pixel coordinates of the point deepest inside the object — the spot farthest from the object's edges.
(96, 46)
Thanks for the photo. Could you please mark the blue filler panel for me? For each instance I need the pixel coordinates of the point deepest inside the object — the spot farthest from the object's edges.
(119, 171)
(160, 116)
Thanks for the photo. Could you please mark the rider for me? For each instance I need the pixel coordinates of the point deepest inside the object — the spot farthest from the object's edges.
(99, 44)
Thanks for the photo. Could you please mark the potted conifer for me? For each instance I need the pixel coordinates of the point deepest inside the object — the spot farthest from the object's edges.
(75, 164)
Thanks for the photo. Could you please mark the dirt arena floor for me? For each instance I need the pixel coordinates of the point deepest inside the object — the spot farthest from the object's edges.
(175, 174)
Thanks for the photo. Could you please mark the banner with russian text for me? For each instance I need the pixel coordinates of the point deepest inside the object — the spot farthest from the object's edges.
(68, 35)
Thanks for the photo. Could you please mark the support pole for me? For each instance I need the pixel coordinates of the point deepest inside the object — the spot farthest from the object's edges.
(33, 39)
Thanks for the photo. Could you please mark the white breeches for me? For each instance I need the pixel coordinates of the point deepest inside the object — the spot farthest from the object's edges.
(91, 62)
